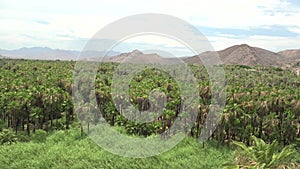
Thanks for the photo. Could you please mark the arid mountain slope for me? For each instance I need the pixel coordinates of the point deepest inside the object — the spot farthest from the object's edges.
(292, 56)
(243, 55)
(137, 56)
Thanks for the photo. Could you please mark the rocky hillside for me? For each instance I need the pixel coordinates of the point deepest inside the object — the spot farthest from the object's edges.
(243, 55)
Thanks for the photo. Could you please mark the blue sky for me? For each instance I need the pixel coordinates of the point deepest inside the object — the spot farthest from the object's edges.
(68, 24)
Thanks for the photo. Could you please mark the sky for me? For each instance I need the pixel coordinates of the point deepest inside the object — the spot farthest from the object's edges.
(69, 24)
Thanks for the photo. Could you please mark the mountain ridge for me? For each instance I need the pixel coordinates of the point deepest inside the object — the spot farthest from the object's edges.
(46, 53)
(241, 54)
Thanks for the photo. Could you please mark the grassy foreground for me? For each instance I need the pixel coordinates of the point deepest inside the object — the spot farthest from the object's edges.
(67, 149)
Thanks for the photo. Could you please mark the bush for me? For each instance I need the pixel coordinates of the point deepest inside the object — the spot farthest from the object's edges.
(39, 136)
(263, 155)
(7, 136)
(23, 137)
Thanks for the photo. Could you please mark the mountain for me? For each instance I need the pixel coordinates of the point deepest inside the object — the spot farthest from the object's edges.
(44, 53)
(238, 54)
(243, 55)
(137, 56)
(292, 55)
(247, 55)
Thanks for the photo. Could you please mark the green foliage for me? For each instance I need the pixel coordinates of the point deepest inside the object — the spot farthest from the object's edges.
(244, 66)
(23, 137)
(260, 101)
(67, 149)
(7, 136)
(35, 94)
(262, 155)
(39, 136)
(35, 98)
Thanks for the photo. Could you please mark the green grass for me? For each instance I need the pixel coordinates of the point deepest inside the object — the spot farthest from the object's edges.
(67, 149)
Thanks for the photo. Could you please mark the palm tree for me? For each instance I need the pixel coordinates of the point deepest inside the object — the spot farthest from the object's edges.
(262, 155)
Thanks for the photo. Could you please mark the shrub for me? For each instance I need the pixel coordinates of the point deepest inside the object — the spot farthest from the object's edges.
(7, 136)
(39, 136)
(263, 155)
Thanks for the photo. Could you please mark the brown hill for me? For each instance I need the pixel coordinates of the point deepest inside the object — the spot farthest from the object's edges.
(247, 55)
(292, 56)
(137, 56)
(243, 55)
(236, 55)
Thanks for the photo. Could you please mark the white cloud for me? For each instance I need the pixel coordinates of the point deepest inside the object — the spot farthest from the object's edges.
(82, 19)
(295, 30)
(154, 39)
(232, 14)
(273, 43)
(229, 35)
(153, 42)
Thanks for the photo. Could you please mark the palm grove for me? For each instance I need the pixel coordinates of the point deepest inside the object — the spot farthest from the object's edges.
(261, 101)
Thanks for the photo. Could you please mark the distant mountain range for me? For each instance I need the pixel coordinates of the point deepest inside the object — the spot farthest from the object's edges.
(235, 55)
(44, 53)
(239, 54)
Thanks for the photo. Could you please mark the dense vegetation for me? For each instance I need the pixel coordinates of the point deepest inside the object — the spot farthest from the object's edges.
(68, 149)
(37, 95)
(264, 102)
